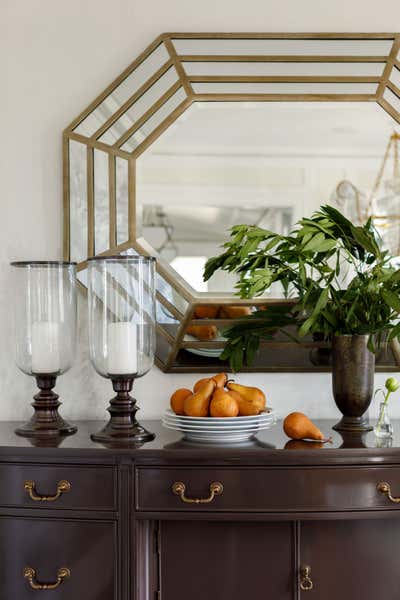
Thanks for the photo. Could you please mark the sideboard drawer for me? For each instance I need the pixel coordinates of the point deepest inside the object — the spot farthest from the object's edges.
(64, 487)
(266, 489)
(76, 558)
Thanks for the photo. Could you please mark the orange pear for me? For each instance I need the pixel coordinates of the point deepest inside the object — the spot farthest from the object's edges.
(178, 398)
(197, 404)
(208, 311)
(220, 380)
(223, 404)
(199, 383)
(203, 332)
(234, 312)
(252, 399)
(299, 427)
(239, 399)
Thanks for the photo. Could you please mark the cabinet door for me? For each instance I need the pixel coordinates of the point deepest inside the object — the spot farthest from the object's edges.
(351, 559)
(225, 560)
(87, 550)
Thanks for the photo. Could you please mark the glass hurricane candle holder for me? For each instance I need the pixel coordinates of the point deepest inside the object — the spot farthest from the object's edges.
(121, 297)
(45, 334)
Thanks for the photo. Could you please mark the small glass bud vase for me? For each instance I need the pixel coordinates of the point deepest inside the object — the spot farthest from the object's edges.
(384, 428)
(121, 295)
(45, 334)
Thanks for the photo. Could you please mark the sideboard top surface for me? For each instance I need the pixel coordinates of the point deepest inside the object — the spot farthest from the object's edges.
(270, 447)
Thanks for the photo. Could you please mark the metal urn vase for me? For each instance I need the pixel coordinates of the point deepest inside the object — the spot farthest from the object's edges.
(353, 367)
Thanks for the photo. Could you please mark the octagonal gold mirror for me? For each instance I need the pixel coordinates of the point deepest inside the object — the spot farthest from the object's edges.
(205, 131)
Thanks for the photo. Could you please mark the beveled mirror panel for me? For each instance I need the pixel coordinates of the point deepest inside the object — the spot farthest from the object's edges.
(205, 131)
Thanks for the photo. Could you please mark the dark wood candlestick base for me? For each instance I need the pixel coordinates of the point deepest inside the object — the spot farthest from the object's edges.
(46, 422)
(123, 426)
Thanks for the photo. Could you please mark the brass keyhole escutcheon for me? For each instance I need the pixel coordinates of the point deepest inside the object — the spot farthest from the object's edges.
(306, 583)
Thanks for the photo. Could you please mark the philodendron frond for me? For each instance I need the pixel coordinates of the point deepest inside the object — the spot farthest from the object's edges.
(343, 282)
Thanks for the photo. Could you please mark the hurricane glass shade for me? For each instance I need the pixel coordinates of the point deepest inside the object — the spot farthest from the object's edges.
(45, 316)
(45, 311)
(121, 315)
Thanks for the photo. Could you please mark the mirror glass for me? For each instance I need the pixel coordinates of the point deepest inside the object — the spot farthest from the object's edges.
(101, 201)
(129, 86)
(264, 163)
(281, 69)
(121, 199)
(78, 201)
(139, 108)
(282, 47)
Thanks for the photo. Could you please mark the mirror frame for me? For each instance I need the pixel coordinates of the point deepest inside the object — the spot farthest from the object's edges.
(170, 355)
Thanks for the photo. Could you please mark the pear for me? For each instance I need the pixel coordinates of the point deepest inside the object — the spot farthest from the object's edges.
(220, 380)
(239, 399)
(234, 312)
(200, 383)
(223, 404)
(252, 399)
(208, 311)
(203, 332)
(299, 427)
(197, 404)
(178, 398)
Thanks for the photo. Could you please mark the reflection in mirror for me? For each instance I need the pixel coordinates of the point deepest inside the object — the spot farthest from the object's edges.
(121, 195)
(101, 202)
(222, 164)
(78, 201)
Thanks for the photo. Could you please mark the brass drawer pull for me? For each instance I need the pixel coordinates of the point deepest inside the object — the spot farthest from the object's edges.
(179, 489)
(62, 488)
(384, 488)
(306, 583)
(30, 575)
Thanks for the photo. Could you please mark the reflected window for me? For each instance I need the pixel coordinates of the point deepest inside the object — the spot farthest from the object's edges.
(191, 269)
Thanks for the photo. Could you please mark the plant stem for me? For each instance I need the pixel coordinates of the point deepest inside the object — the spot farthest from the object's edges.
(384, 404)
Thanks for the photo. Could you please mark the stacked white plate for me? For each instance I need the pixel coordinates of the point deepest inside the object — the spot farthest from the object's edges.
(211, 352)
(219, 429)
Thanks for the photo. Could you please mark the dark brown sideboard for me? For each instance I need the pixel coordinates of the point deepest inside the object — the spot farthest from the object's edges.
(286, 521)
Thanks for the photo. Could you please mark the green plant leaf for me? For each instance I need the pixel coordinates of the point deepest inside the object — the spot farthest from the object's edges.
(365, 240)
(314, 243)
(391, 299)
(394, 333)
(252, 347)
(327, 246)
(306, 326)
(236, 359)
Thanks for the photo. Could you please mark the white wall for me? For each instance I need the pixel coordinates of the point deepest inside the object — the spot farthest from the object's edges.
(55, 57)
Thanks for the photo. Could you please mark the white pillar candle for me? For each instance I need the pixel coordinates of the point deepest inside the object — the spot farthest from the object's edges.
(122, 349)
(46, 347)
